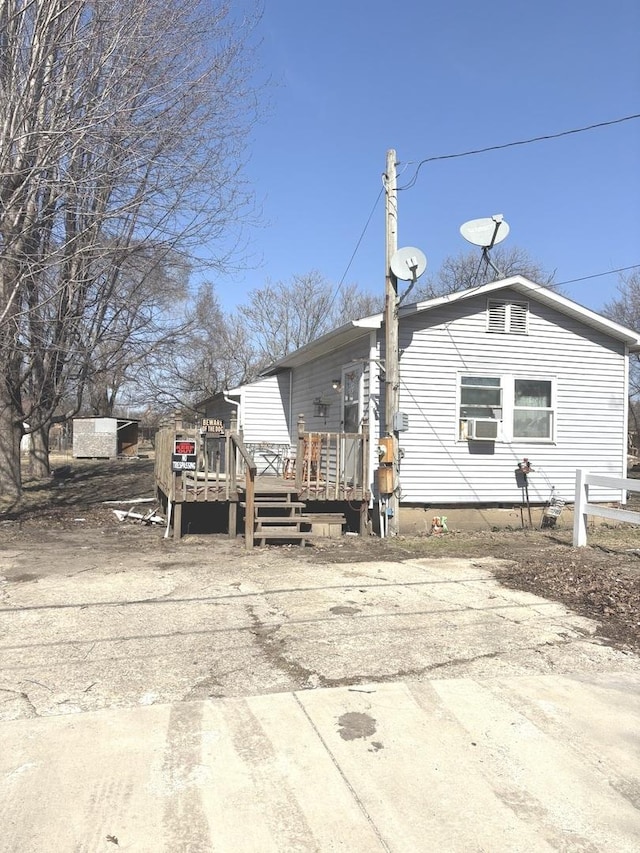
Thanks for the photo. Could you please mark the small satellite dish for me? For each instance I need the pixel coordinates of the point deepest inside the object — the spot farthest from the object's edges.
(408, 264)
(485, 232)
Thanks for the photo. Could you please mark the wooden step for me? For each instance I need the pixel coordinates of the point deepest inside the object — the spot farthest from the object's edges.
(333, 517)
(276, 504)
(260, 538)
(280, 524)
(281, 519)
(272, 513)
(275, 496)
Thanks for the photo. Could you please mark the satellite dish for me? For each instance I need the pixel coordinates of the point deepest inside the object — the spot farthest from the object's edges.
(485, 232)
(408, 264)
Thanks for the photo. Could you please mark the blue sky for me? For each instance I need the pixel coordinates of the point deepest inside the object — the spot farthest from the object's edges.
(352, 79)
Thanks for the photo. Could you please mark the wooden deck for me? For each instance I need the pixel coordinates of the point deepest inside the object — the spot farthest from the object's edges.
(323, 467)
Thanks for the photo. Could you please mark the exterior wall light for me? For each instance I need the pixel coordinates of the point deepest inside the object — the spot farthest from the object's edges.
(320, 408)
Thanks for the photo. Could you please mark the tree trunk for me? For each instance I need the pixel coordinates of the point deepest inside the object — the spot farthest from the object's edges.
(10, 435)
(39, 453)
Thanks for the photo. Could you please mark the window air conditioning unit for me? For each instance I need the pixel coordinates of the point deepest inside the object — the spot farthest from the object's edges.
(482, 429)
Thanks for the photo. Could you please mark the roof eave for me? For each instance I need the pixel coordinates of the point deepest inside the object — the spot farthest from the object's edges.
(335, 339)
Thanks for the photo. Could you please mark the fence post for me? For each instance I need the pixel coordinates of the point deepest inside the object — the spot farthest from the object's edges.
(579, 514)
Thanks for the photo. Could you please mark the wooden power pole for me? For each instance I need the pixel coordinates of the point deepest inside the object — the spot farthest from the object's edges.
(391, 363)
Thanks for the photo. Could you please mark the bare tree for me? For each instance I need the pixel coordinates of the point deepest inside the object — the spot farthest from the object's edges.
(122, 128)
(212, 353)
(142, 320)
(353, 304)
(469, 269)
(284, 316)
(625, 309)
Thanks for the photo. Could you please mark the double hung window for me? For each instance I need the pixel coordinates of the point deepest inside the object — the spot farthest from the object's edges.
(523, 407)
(480, 397)
(532, 408)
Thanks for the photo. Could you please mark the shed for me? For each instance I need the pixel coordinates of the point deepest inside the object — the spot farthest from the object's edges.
(104, 438)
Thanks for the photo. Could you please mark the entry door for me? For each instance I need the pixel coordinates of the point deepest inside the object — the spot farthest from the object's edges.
(351, 421)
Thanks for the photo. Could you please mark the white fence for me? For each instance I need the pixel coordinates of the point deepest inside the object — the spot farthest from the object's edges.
(583, 508)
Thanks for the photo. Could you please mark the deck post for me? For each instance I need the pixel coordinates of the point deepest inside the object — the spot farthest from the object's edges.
(364, 519)
(249, 512)
(177, 520)
(233, 519)
(300, 453)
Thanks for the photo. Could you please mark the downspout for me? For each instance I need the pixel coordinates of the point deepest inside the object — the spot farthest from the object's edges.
(292, 443)
(169, 508)
(235, 403)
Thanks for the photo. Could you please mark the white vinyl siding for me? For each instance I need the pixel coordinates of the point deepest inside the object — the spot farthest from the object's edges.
(264, 415)
(314, 380)
(586, 367)
(262, 410)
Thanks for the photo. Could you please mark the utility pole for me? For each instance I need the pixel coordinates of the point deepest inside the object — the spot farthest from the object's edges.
(391, 363)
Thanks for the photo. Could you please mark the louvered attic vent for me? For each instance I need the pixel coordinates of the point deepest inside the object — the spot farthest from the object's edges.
(503, 317)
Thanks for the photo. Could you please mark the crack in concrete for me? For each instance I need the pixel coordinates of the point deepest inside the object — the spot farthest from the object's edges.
(305, 677)
(21, 694)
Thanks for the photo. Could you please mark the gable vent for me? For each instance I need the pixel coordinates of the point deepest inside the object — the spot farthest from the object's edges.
(503, 317)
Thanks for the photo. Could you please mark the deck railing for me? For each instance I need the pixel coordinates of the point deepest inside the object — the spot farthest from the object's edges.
(332, 465)
(328, 466)
(208, 481)
(239, 454)
(222, 462)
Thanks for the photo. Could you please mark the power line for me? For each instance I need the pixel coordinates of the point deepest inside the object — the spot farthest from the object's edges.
(549, 285)
(595, 275)
(513, 144)
(483, 151)
(353, 254)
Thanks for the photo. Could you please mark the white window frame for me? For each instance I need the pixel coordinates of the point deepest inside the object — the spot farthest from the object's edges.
(505, 413)
(551, 409)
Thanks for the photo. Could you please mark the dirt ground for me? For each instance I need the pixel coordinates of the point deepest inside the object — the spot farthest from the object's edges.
(601, 581)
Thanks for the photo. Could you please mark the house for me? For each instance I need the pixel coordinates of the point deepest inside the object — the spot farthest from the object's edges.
(263, 416)
(489, 377)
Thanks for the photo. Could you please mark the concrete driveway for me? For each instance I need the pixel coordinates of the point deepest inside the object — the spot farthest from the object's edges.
(184, 698)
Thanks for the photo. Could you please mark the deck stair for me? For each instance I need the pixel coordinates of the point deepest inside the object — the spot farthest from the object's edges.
(280, 517)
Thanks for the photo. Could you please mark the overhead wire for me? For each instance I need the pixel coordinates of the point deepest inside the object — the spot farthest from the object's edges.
(595, 275)
(504, 145)
(473, 152)
(353, 254)
(549, 285)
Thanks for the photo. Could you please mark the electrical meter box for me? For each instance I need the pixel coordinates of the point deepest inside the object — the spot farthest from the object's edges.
(385, 480)
(385, 450)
